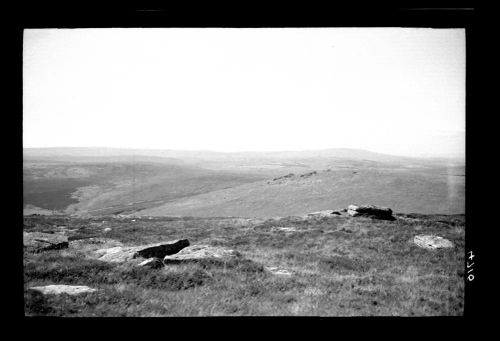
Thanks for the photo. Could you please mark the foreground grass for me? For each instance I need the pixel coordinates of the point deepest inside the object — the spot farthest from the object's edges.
(340, 267)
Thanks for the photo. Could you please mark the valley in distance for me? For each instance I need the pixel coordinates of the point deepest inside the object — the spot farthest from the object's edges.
(201, 233)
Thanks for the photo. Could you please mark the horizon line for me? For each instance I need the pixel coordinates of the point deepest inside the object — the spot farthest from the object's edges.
(462, 156)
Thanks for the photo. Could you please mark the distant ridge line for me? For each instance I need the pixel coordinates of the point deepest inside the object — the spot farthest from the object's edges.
(327, 152)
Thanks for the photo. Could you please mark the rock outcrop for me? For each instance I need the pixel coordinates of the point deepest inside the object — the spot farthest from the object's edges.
(63, 289)
(122, 254)
(282, 179)
(306, 175)
(370, 211)
(288, 176)
(38, 241)
(432, 242)
(198, 252)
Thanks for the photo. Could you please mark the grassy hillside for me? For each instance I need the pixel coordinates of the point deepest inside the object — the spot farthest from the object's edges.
(114, 187)
(340, 266)
(197, 183)
(404, 190)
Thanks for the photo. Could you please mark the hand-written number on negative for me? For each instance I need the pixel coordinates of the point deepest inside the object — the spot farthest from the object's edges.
(470, 277)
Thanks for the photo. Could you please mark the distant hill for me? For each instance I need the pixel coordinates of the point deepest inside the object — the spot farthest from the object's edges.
(183, 155)
(204, 183)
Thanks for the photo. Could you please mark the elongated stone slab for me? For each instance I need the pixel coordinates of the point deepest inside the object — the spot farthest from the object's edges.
(197, 252)
(63, 289)
(122, 254)
(432, 242)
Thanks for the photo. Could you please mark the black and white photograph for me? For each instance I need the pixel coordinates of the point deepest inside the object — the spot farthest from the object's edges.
(244, 171)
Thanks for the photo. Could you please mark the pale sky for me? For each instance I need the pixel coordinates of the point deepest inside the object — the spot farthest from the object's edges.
(390, 90)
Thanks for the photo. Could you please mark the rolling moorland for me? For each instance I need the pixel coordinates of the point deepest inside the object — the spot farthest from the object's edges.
(259, 205)
(108, 181)
(334, 266)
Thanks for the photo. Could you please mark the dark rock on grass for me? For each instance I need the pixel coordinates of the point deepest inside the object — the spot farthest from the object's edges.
(38, 241)
(121, 254)
(291, 175)
(370, 211)
(201, 252)
(306, 175)
(162, 249)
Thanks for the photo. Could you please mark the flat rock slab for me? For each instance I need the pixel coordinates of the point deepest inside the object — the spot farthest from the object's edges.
(198, 252)
(63, 289)
(38, 241)
(325, 213)
(122, 254)
(432, 242)
(370, 211)
(285, 228)
(278, 271)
